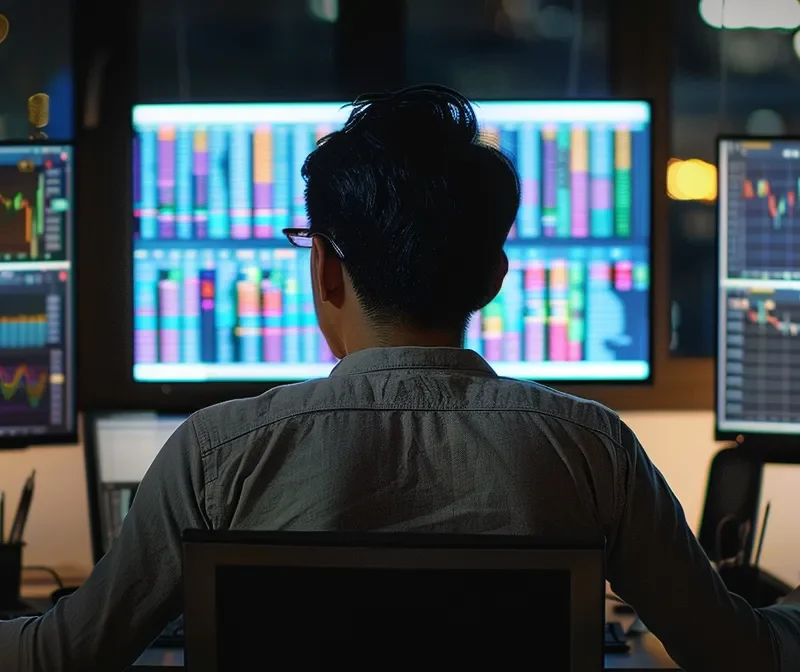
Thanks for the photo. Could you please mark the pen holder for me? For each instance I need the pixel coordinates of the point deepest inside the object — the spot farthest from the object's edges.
(10, 574)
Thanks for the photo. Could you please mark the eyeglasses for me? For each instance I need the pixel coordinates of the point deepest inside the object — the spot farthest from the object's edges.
(304, 237)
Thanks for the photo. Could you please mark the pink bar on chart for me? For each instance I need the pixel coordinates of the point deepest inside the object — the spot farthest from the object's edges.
(558, 342)
(623, 276)
(144, 345)
(169, 338)
(512, 343)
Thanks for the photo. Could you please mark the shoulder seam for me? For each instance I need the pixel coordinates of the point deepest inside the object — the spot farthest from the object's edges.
(327, 409)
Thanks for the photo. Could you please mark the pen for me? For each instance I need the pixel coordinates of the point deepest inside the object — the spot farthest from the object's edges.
(21, 517)
(761, 536)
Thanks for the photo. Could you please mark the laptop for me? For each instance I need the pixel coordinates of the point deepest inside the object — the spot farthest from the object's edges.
(119, 449)
(378, 601)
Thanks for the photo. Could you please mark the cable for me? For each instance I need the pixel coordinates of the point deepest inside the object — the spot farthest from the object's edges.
(574, 68)
(48, 570)
(718, 537)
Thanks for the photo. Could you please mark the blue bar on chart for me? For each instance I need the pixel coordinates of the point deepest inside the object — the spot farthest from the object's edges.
(184, 157)
(192, 326)
(528, 166)
(148, 188)
(282, 205)
(601, 161)
(218, 202)
(23, 331)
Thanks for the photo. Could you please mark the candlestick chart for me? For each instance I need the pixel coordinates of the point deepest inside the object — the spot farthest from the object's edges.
(762, 353)
(772, 219)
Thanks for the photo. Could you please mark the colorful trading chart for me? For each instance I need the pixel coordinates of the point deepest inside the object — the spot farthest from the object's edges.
(758, 365)
(219, 295)
(36, 348)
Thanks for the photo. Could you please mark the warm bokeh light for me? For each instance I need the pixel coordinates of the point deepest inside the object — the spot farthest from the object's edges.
(3, 27)
(764, 14)
(691, 180)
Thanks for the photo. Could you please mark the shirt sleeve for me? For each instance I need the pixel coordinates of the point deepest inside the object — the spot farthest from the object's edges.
(135, 590)
(658, 567)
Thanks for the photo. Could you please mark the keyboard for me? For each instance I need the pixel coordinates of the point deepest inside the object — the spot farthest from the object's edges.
(616, 641)
(172, 637)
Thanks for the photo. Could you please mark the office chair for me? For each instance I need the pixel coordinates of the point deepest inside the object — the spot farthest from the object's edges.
(731, 506)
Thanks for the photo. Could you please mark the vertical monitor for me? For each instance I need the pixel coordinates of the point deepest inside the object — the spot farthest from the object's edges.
(221, 296)
(758, 348)
(37, 359)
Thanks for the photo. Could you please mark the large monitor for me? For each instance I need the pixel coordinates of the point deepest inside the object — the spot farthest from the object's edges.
(758, 348)
(37, 357)
(220, 296)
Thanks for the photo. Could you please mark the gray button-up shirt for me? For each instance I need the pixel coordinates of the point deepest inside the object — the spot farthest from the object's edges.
(411, 439)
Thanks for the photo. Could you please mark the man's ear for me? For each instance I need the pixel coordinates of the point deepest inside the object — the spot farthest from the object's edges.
(327, 273)
(500, 274)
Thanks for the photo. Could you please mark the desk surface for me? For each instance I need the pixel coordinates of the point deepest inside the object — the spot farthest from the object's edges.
(646, 652)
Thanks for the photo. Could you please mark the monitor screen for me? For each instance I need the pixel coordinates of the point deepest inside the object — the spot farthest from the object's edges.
(37, 358)
(220, 295)
(758, 354)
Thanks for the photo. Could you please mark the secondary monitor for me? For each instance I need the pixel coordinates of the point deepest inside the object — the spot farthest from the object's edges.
(220, 296)
(758, 348)
(37, 308)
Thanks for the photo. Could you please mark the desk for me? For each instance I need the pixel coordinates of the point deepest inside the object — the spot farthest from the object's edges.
(646, 652)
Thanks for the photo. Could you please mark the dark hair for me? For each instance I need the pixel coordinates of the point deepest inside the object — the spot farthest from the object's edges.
(419, 206)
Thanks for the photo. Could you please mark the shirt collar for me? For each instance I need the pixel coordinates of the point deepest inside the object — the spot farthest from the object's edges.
(388, 359)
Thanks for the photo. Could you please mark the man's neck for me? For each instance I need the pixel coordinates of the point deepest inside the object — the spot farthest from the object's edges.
(394, 337)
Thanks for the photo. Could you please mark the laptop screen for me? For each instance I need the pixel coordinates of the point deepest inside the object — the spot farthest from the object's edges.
(125, 445)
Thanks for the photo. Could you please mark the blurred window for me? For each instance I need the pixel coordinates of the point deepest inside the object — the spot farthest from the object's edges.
(235, 50)
(737, 68)
(510, 48)
(36, 58)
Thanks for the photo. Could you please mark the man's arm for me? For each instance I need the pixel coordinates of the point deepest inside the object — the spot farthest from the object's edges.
(134, 591)
(657, 565)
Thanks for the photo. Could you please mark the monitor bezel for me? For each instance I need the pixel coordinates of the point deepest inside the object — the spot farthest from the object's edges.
(71, 357)
(776, 446)
(204, 550)
(187, 396)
